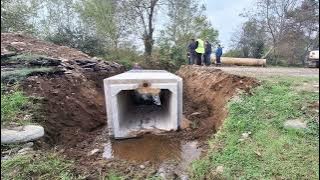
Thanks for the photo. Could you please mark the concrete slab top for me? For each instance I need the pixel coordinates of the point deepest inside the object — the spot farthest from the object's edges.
(145, 74)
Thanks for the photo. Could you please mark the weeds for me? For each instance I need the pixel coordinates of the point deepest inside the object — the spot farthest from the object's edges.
(12, 105)
(113, 176)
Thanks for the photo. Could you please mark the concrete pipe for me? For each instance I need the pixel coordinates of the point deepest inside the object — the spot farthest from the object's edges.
(242, 61)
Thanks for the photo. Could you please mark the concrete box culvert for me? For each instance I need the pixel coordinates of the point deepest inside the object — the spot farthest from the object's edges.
(129, 109)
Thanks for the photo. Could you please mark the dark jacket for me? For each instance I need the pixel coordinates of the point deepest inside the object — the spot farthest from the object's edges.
(219, 51)
(192, 47)
(208, 49)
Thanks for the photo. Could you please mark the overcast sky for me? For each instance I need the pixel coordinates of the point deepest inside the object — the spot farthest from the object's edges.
(224, 16)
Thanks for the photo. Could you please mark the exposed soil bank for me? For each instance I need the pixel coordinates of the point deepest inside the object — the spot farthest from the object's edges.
(206, 91)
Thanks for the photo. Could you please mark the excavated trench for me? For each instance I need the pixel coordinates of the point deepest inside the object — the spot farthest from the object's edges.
(74, 117)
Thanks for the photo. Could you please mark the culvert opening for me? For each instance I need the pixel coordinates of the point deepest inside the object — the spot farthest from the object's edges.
(143, 111)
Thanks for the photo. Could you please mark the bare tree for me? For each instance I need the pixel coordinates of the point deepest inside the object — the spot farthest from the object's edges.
(291, 26)
(143, 11)
(273, 13)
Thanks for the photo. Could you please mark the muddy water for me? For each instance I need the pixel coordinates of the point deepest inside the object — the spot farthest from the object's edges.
(152, 148)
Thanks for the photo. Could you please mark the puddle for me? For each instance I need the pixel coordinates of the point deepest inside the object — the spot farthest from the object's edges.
(152, 148)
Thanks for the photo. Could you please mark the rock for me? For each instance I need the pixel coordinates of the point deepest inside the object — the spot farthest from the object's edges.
(142, 166)
(27, 117)
(245, 135)
(18, 44)
(5, 158)
(185, 123)
(303, 108)
(219, 169)
(21, 134)
(28, 145)
(184, 177)
(109, 165)
(195, 114)
(93, 152)
(257, 153)
(295, 124)
(25, 150)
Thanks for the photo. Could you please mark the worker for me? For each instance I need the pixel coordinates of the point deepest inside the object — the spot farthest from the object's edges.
(136, 66)
(191, 52)
(207, 53)
(218, 55)
(199, 51)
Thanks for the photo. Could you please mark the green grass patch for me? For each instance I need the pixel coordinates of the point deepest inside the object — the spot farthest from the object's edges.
(20, 74)
(18, 108)
(12, 105)
(44, 166)
(21, 58)
(271, 152)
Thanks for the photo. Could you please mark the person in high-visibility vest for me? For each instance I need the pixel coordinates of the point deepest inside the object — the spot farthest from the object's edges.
(199, 51)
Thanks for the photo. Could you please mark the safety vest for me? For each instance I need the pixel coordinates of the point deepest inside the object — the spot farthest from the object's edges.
(200, 48)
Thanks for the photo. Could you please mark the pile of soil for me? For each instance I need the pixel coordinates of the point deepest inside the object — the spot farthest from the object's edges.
(72, 95)
(22, 43)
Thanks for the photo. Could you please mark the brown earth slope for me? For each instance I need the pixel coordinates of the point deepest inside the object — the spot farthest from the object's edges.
(72, 96)
(206, 91)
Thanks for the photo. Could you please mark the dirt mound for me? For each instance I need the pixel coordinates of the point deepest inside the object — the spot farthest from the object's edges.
(72, 102)
(206, 92)
(20, 43)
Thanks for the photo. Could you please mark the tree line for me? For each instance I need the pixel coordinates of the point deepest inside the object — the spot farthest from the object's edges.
(283, 31)
(125, 30)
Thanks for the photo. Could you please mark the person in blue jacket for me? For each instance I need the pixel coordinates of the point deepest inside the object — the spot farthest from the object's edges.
(218, 55)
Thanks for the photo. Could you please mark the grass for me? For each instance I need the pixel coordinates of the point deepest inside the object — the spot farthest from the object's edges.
(113, 176)
(44, 166)
(13, 105)
(271, 152)
(18, 108)
(20, 74)
(21, 58)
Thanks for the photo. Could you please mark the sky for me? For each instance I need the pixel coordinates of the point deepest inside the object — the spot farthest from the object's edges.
(224, 16)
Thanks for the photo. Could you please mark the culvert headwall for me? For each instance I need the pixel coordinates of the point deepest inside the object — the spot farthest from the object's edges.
(140, 101)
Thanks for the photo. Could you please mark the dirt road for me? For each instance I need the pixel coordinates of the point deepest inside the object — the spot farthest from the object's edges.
(271, 71)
